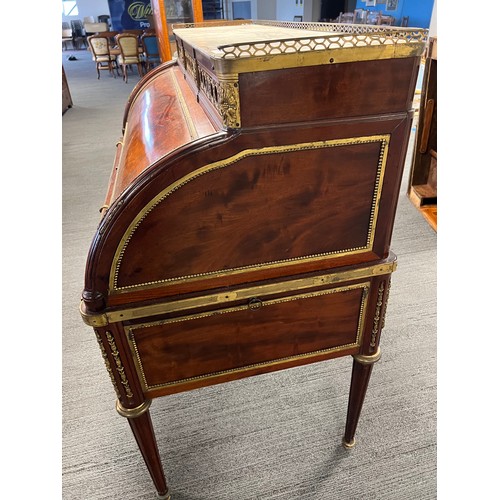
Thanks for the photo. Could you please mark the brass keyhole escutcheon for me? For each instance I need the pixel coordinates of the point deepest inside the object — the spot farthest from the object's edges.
(254, 304)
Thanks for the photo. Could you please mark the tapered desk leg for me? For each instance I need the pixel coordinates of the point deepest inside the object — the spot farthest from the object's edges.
(361, 372)
(142, 427)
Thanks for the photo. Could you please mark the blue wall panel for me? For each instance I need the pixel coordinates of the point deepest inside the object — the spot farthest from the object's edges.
(419, 11)
(129, 14)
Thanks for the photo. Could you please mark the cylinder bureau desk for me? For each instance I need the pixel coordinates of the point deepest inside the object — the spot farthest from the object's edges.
(249, 213)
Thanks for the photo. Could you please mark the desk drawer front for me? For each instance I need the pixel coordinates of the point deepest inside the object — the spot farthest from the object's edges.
(262, 335)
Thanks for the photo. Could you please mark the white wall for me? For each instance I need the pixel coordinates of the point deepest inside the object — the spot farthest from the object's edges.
(307, 9)
(89, 8)
(312, 10)
(266, 9)
(316, 11)
(433, 23)
(287, 9)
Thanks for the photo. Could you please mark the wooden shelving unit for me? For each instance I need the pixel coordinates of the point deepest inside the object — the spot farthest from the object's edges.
(67, 102)
(422, 187)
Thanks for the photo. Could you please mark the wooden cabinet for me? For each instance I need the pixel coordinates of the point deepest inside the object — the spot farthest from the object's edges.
(422, 188)
(67, 102)
(249, 213)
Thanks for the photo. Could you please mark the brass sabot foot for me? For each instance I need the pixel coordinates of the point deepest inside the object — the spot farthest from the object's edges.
(349, 445)
(368, 359)
(133, 412)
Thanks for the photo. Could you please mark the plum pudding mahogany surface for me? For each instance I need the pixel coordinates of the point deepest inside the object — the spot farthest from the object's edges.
(249, 212)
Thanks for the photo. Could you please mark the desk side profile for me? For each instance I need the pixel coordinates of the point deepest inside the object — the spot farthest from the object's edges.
(247, 223)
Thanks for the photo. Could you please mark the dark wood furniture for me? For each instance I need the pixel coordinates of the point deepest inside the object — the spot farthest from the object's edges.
(79, 35)
(67, 101)
(67, 37)
(247, 228)
(422, 185)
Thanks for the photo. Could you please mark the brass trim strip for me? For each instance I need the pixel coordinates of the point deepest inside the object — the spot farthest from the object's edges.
(119, 365)
(118, 165)
(361, 36)
(141, 216)
(133, 412)
(210, 24)
(103, 319)
(316, 58)
(368, 359)
(382, 322)
(315, 44)
(106, 362)
(345, 28)
(359, 334)
(185, 111)
(376, 319)
(95, 320)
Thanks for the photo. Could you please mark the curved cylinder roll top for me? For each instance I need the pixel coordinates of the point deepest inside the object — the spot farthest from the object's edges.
(162, 117)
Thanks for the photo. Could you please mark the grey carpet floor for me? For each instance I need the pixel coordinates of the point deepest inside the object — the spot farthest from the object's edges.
(274, 436)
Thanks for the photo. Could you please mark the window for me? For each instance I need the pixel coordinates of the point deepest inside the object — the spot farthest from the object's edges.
(70, 8)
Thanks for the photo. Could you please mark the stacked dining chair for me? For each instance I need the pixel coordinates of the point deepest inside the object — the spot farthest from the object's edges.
(79, 35)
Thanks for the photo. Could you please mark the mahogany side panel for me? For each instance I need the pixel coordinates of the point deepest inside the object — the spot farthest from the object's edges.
(150, 184)
(322, 92)
(261, 209)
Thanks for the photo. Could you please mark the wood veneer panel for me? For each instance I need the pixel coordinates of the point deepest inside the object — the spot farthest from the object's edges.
(261, 209)
(198, 346)
(320, 92)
